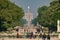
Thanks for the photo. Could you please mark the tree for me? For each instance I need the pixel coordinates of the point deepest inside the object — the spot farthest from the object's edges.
(34, 21)
(50, 15)
(10, 15)
(22, 22)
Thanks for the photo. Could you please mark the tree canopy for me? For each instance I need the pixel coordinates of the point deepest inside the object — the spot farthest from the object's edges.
(34, 21)
(48, 16)
(10, 15)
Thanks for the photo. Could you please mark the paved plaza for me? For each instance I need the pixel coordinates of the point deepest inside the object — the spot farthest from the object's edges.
(26, 39)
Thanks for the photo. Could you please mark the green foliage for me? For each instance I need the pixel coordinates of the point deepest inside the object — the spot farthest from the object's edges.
(22, 22)
(48, 16)
(34, 21)
(10, 15)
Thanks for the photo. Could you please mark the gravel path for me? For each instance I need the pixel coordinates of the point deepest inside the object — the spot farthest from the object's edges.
(26, 39)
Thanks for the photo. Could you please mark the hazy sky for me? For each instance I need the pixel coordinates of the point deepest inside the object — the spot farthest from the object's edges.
(34, 4)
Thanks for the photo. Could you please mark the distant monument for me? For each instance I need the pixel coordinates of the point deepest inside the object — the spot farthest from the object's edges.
(28, 17)
(58, 26)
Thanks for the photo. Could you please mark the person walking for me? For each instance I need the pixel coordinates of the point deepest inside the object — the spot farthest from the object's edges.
(48, 37)
(17, 35)
(31, 35)
(44, 36)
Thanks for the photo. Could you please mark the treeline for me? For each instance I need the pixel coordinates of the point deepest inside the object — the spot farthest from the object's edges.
(10, 15)
(48, 15)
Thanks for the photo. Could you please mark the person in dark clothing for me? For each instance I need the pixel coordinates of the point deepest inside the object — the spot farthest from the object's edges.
(48, 37)
(38, 30)
(31, 35)
(40, 35)
(17, 35)
(44, 36)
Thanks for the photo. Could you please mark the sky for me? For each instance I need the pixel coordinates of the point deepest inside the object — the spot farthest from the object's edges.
(34, 5)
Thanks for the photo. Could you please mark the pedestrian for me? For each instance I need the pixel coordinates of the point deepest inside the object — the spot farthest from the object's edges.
(17, 35)
(31, 35)
(40, 35)
(48, 37)
(44, 36)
